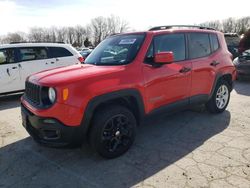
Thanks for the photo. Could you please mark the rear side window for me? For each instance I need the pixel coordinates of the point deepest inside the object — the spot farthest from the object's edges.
(169, 42)
(214, 42)
(199, 45)
(34, 53)
(7, 56)
(59, 52)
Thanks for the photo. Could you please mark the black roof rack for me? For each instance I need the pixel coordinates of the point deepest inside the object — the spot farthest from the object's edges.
(179, 26)
(36, 42)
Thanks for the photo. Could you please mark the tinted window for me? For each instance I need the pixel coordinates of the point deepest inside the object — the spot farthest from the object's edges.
(59, 52)
(7, 56)
(214, 42)
(28, 54)
(199, 45)
(171, 42)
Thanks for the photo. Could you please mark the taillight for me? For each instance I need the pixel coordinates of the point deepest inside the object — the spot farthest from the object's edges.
(81, 59)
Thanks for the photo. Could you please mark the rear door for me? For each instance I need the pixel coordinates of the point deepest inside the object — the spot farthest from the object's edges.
(169, 83)
(32, 60)
(204, 57)
(60, 56)
(9, 71)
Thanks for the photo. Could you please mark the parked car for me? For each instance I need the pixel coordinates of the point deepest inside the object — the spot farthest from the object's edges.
(140, 73)
(242, 64)
(245, 42)
(232, 40)
(19, 60)
(85, 52)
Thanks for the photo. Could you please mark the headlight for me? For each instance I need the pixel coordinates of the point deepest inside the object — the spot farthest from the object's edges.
(52, 95)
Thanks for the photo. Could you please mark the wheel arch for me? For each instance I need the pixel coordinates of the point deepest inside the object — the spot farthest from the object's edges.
(227, 77)
(130, 98)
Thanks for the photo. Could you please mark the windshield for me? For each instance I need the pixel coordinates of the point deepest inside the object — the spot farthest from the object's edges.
(116, 50)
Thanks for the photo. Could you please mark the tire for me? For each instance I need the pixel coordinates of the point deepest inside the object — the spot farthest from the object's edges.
(113, 131)
(214, 105)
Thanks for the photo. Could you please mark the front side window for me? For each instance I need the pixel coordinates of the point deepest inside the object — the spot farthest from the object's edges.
(199, 45)
(169, 42)
(7, 56)
(116, 50)
(34, 53)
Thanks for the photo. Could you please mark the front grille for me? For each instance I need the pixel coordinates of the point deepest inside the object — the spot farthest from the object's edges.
(33, 93)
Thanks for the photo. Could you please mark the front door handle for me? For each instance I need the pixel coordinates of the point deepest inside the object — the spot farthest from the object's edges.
(52, 62)
(185, 69)
(214, 63)
(14, 67)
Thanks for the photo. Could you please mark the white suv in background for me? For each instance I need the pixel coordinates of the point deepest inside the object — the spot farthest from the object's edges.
(19, 60)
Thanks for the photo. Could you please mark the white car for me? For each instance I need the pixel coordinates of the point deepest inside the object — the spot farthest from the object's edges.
(18, 61)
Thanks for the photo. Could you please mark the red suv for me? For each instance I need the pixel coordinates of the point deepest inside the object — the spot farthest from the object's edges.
(127, 77)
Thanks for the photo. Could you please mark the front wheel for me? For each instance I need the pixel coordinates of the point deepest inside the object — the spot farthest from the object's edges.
(113, 131)
(220, 99)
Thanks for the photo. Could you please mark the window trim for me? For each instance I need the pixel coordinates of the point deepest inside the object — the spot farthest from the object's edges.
(153, 43)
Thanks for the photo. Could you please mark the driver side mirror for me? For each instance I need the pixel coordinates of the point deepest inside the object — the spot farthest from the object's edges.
(164, 57)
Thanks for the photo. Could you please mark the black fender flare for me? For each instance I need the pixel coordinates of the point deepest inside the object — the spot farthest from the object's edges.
(217, 78)
(98, 100)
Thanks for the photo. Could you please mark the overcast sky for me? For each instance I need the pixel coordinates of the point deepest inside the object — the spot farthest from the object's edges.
(20, 15)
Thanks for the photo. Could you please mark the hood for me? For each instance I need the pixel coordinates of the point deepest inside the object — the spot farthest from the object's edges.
(74, 73)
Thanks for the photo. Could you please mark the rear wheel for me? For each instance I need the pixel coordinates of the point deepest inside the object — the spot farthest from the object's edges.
(113, 131)
(220, 99)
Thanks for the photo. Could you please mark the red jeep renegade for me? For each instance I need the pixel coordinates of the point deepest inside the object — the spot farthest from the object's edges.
(125, 78)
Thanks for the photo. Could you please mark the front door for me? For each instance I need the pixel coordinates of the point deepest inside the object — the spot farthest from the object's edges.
(9, 71)
(169, 83)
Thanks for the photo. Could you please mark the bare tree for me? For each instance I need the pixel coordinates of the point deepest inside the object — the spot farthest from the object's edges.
(229, 25)
(98, 29)
(242, 25)
(216, 24)
(102, 27)
(13, 37)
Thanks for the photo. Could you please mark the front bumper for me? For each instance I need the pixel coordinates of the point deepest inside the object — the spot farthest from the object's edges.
(49, 131)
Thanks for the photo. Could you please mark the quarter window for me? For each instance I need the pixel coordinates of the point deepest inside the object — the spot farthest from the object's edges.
(59, 52)
(171, 42)
(7, 56)
(28, 54)
(214, 42)
(199, 45)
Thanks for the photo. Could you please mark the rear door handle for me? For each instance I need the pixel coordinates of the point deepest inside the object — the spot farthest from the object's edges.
(14, 67)
(185, 69)
(214, 63)
(52, 62)
(8, 71)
